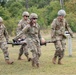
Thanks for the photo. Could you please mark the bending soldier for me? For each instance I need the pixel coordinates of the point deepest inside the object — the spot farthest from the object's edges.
(33, 38)
(3, 42)
(23, 22)
(58, 27)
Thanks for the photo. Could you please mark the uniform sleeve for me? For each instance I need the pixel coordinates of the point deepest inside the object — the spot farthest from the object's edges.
(6, 34)
(24, 30)
(39, 35)
(53, 25)
(69, 29)
(19, 28)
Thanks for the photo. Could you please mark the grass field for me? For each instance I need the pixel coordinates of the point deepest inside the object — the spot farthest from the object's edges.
(46, 67)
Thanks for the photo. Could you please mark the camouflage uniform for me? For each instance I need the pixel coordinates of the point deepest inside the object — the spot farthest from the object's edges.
(21, 25)
(57, 35)
(32, 40)
(3, 42)
(23, 22)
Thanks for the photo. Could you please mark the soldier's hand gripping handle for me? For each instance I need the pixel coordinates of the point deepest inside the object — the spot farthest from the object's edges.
(14, 40)
(43, 43)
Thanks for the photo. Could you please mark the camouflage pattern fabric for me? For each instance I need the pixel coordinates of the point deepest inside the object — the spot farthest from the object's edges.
(3, 44)
(58, 34)
(32, 40)
(21, 25)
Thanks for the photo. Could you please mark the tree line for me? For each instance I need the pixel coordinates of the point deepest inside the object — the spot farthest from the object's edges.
(11, 11)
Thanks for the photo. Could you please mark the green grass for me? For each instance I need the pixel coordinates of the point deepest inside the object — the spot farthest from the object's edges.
(46, 67)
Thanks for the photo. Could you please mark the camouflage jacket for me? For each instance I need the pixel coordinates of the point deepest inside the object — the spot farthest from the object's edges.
(3, 33)
(21, 25)
(58, 29)
(32, 32)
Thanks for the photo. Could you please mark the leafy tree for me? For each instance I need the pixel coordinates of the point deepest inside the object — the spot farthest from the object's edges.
(4, 13)
(11, 25)
(11, 11)
(51, 11)
(15, 8)
(3, 2)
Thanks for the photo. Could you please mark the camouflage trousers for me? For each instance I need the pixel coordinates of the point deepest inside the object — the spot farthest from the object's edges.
(36, 52)
(60, 47)
(24, 50)
(4, 47)
(34, 46)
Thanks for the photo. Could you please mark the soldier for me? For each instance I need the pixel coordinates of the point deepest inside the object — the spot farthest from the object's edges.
(23, 22)
(3, 43)
(33, 38)
(58, 27)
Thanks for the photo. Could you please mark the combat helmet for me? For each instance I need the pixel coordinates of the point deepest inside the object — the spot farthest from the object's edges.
(33, 15)
(25, 13)
(1, 20)
(61, 12)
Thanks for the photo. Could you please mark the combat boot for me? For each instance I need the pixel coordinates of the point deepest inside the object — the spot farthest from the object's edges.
(59, 62)
(19, 58)
(54, 60)
(29, 59)
(37, 64)
(9, 62)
